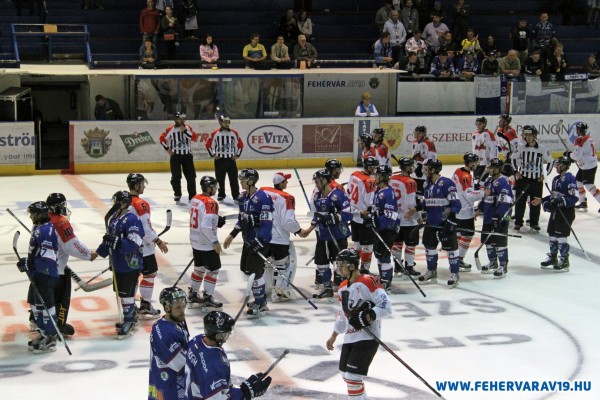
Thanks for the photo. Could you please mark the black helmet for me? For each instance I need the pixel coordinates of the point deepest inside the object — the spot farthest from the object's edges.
(38, 210)
(122, 197)
(385, 171)
(218, 325)
(530, 129)
(482, 119)
(470, 157)
(566, 161)
(370, 161)
(366, 138)
(349, 256)
(206, 182)
(421, 129)
(496, 163)
(57, 203)
(135, 179)
(170, 294)
(332, 164)
(434, 165)
(406, 162)
(250, 174)
(379, 131)
(506, 117)
(582, 127)
(323, 174)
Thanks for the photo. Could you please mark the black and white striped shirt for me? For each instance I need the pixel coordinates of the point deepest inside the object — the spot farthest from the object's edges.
(529, 160)
(178, 139)
(224, 143)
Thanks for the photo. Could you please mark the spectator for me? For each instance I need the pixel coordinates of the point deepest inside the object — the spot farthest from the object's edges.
(437, 9)
(534, 66)
(107, 109)
(543, 36)
(490, 45)
(468, 66)
(591, 67)
(280, 54)
(288, 27)
(557, 64)
(254, 53)
(168, 25)
(460, 14)
(365, 108)
(397, 34)
(510, 64)
(442, 66)
(191, 18)
(305, 25)
(382, 50)
(410, 18)
(593, 13)
(87, 4)
(209, 52)
(434, 33)
(471, 43)
(383, 14)
(490, 66)
(418, 46)
(521, 35)
(446, 42)
(149, 22)
(411, 64)
(304, 51)
(148, 54)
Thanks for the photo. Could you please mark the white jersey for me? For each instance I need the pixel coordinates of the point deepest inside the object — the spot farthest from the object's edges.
(141, 208)
(284, 215)
(361, 188)
(585, 152)
(365, 288)
(204, 217)
(405, 189)
(484, 145)
(463, 180)
(68, 243)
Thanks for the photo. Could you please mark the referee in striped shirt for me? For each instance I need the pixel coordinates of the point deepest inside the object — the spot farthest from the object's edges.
(225, 146)
(532, 163)
(177, 141)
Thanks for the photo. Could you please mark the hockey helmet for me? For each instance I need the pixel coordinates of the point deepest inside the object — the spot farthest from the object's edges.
(38, 211)
(562, 160)
(322, 174)
(406, 162)
(250, 174)
(506, 117)
(370, 161)
(135, 179)
(496, 163)
(366, 139)
(57, 203)
(123, 198)
(483, 120)
(385, 171)
(332, 164)
(224, 118)
(170, 294)
(470, 157)
(206, 182)
(530, 129)
(349, 256)
(581, 127)
(421, 129)
(218, 325)
(378, 131)
(434, 165)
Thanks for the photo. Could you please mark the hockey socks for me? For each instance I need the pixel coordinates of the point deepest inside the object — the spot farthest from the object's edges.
(147, 286)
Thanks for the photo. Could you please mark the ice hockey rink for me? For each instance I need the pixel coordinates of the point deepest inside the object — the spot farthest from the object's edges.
(535, 327)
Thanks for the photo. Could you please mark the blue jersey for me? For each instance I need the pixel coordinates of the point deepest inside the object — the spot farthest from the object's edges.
(385, 206)
(564, 186)
(498, 202)
(336, 202)
(208, 374)
(128, 256)
(43, 250)
(440, 200)
(168, 347)
(259, 204)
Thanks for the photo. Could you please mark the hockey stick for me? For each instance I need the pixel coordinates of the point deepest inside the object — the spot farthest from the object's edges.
(395, 158)
(570, 227)
(476, 255)
(559, 126)
(440, 228)
(246, 298)
(266, 373)
(398, 261)
(168, 226)
(18, 220)
(270, 264)
(39, 296)
(183, 273)
(347, 311)
(302, 187)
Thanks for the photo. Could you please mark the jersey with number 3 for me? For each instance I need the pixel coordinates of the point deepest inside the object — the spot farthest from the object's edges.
(405, 189)
(142, 210)
(361, 188)
(204, 216)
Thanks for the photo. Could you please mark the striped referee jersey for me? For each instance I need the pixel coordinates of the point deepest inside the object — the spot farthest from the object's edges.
(224, 143)
(178, 139)
(529, 161)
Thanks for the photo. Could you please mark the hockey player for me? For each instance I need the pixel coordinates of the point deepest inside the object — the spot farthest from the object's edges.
(335, 167)
(364, 141)
(361, 188)
(585, 157)
(68, 245)
(383, 217)
(331, 219)
(507, 139)
(137, 184)
(255, 221)
(381, 150)
(423, 151)
(405, 189)
(561, 206)
(441, 205)
(468, 196)
(281, 249)
(41, 264)
(204, 222)
(495, 207)
(483, 144)
(168, 348)
(123, 244)
(207, 369)
(364, 304)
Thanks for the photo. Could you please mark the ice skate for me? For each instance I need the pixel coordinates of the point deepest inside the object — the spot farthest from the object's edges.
(326, 294)
(146, 311)
(210, 304)
(563, 265)
(194, 300)
(126, 329)
(501, 272)
(489, 267)
(256, 310)
(582, 207)
(429, 277)
(463, 266)
(46, 344)
(453, 281)
(32, 343)
(409, 270)
(549, 262)
(279, 295)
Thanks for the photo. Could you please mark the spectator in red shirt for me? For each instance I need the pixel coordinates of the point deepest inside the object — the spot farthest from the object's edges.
(149, 22)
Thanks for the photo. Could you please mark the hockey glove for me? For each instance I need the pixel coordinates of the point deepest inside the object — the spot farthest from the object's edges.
(256, 245)
(547, 206)
(508, 169)
(220, 221)
(496, 224)
(559, 202)
(450, 223)
(253, 220)
(369, 221)
(255, 386)
(362, 318)
(22, 264)
(111, 241)
(567, 155)
(477, 185)
(330, 219)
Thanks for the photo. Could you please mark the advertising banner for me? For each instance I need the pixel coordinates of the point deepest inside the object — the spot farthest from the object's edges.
(17, 144)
